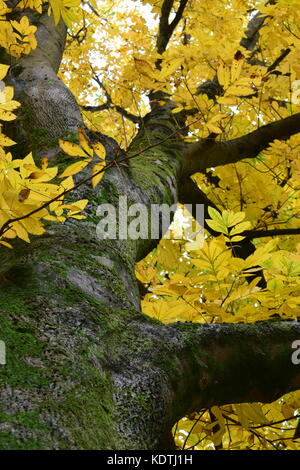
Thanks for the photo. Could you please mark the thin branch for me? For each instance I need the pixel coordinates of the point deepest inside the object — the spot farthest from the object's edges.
(109, 105)
(105, 106)
(94, 10)
(95, 109)
(279, 59)
(271, 233)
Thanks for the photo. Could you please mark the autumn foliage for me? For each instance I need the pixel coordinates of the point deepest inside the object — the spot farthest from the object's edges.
(112, 63)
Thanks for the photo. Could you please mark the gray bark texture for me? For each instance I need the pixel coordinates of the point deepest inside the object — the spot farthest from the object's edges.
(85, 368)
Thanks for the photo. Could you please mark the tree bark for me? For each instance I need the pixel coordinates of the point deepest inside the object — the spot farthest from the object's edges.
(85, 368)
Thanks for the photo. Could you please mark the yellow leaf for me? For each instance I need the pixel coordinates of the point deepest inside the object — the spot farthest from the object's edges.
(44, 162)
(240, 90)
(79, 217)
(68, 183)
(72, 149)
(169, 67)
(98, 172)
(236, 238)
(236, 69)
(217, 226)
(227, 100)
(20, 231)
(144, 68)
(78, 205)
(218, 117)
(6, 115)
(255, 412)
(215, 215)
(8, 245)
(213, 128)
(74, 168)
(56, 6)
(145, 274)
(275, 285)
(239, 228)
(218, 435)
(3, 70)
(33, 226)
(84, 142)
(223, 74)
(6, 141)
(235, 218)
(99, 150)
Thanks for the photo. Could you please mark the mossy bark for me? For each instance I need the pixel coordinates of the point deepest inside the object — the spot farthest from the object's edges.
(85, 368)
(70, 307)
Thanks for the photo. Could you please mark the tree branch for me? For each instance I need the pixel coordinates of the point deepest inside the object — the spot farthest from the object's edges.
(166, 29)
(271, 233)
(119, 109)
(202, 155)
(279, 59)
(178, 15)
(250, 39)
(109, 105)
(233, 363)
(96, 109)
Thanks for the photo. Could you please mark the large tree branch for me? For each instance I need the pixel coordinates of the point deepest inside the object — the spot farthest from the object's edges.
(185, 367)
(233, 363)
(166, 29)
(204, 154)
(178, 15)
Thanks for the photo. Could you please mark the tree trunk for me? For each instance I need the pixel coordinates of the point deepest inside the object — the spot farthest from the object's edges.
(85, 368)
